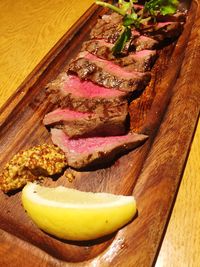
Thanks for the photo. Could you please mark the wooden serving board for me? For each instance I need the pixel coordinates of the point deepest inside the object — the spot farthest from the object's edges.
(167, 111)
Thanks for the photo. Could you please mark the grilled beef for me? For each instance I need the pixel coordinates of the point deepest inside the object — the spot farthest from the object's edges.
(139, 61)
(84, 89)
(163, 30)
(108, 28)
(70, 92)
(76, 124)
(179, 16)
(84, 152)
(100, 48)
(109, 31)
(108, 74)
(142, 42)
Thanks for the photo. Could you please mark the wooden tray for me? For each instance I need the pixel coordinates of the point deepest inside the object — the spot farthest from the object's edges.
(167, 111)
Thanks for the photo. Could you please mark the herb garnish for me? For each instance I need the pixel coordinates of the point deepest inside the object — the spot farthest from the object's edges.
(163, 7)
(122, 40)
(149, 11)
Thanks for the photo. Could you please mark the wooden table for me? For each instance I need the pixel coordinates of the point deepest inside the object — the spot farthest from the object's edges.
(28, 30)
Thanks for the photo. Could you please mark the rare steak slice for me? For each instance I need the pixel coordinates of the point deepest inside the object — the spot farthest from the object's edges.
(140, 61)
(108, 74)
(68, 91)
(76, 124)
(86, 152)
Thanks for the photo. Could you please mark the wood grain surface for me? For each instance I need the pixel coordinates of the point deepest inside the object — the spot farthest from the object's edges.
(185, 201)
(28, 30)
(181, 245)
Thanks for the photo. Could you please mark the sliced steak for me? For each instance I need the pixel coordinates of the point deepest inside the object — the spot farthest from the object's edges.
(100, 48)
(64, 116)
(76, 124)
(108, 74)
(84, 152)
(179, 16)
(142, 42)
(163, 30)
(139, 61)
(70, 92)
(108, 28)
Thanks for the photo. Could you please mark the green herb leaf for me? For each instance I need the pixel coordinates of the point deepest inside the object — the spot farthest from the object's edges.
(165, 10)
(125, 6)
(163, 7)
(122, 40)
(131, 19)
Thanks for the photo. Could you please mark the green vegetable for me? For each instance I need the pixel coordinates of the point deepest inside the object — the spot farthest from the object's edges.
(150, 10)
(131, 19)
(163, 7)
(122, 40)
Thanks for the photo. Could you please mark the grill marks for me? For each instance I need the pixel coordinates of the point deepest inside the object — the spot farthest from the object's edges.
(163, 30)
(90, 122)
(106, 73)
(136, 61)
(143, 42)
(84, 96)
(107, 28)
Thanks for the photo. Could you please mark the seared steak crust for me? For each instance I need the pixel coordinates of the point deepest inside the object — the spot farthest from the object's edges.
(163, 30)
(99, 48)
(108, 28)
(99, 73)
(142, 42)
(61, 94)
(76, 124)
(141, 61)
(177, 17)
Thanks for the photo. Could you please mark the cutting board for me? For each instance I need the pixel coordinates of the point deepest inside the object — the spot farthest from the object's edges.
(167, 111)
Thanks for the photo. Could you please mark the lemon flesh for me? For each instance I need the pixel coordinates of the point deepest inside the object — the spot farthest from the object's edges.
(75, 215)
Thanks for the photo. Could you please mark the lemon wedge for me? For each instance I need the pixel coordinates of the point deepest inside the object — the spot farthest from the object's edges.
(75, 215)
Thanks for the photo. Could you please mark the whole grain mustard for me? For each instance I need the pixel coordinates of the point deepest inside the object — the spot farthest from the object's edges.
(30, 165)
